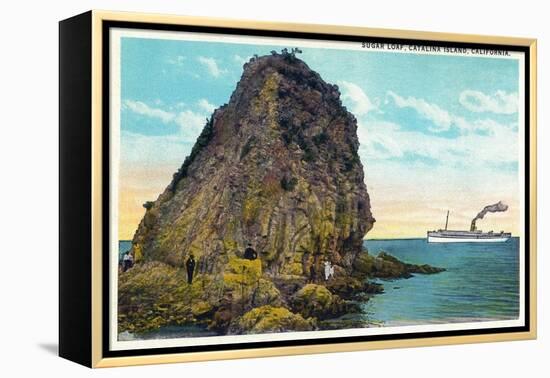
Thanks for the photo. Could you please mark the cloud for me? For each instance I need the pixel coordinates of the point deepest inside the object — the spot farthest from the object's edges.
(360, 102)
(381, 140)
(444, 120)
(147, 151)
(204, 104)
(177, 61)
(487, 126)
(239, 59)
(500, 102)
(212, 66)
(142, 108)
(190, 123)
(481, 143)
(440, 117)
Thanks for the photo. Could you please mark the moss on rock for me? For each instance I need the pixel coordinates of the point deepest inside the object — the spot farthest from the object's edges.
(352, 288)
(265, 293)
(154, 294)
(363, 264)
(317, 301)
(242, 273)
(269, 319)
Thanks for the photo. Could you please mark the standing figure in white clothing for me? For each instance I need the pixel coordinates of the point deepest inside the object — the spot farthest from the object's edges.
(327, 270)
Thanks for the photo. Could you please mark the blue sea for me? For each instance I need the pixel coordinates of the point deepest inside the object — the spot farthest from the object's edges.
(481, 283)
(123, 246)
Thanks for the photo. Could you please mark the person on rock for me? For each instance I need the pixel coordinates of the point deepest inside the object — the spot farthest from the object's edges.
(127, 261)
(328, 269)
(312, 273)
(190, 266)
(250, 253)
(123, 261)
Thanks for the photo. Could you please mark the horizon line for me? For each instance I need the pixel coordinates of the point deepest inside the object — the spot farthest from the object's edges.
(366, 239)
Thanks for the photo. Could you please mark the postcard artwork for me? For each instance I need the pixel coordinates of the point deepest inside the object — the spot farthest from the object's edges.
(267, 189)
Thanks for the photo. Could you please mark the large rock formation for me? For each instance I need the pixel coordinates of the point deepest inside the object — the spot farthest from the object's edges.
(276, 167)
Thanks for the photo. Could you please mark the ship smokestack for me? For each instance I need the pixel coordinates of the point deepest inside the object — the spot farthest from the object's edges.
(497, 207)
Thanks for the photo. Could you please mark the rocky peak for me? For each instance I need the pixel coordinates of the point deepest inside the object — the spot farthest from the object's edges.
(276, 167)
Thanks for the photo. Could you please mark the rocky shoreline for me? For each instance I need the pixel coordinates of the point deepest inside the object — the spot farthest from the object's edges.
(246, 300)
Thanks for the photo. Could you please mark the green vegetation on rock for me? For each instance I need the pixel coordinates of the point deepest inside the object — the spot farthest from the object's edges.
(289, 184)
(269, 319)
(242, 272)
(348, 287)
(317, 301)
(154, 294)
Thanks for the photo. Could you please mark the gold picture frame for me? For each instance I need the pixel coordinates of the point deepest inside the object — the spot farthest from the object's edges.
(83, 158)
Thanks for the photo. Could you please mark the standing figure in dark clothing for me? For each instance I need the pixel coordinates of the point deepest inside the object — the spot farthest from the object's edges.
(250, 253)
(127, 261)
(312, 273)
(190, 265)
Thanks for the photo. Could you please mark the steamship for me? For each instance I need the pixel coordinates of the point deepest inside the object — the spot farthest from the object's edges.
(472, 236)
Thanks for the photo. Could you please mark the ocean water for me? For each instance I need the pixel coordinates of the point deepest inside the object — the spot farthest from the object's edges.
(481, 283)
(123, 246)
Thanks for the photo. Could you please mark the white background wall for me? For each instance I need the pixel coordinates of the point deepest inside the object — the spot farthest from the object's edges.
(29, 189)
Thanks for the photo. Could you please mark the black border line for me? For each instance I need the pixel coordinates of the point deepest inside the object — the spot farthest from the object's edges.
(107, 25)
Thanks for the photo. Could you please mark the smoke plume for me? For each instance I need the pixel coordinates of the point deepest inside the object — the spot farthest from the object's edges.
(497, 207)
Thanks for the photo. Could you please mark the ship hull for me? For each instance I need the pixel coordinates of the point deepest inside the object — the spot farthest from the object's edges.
(444, 236)
(446, 239)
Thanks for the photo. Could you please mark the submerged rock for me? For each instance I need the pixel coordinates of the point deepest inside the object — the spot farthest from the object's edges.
(387, 266)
